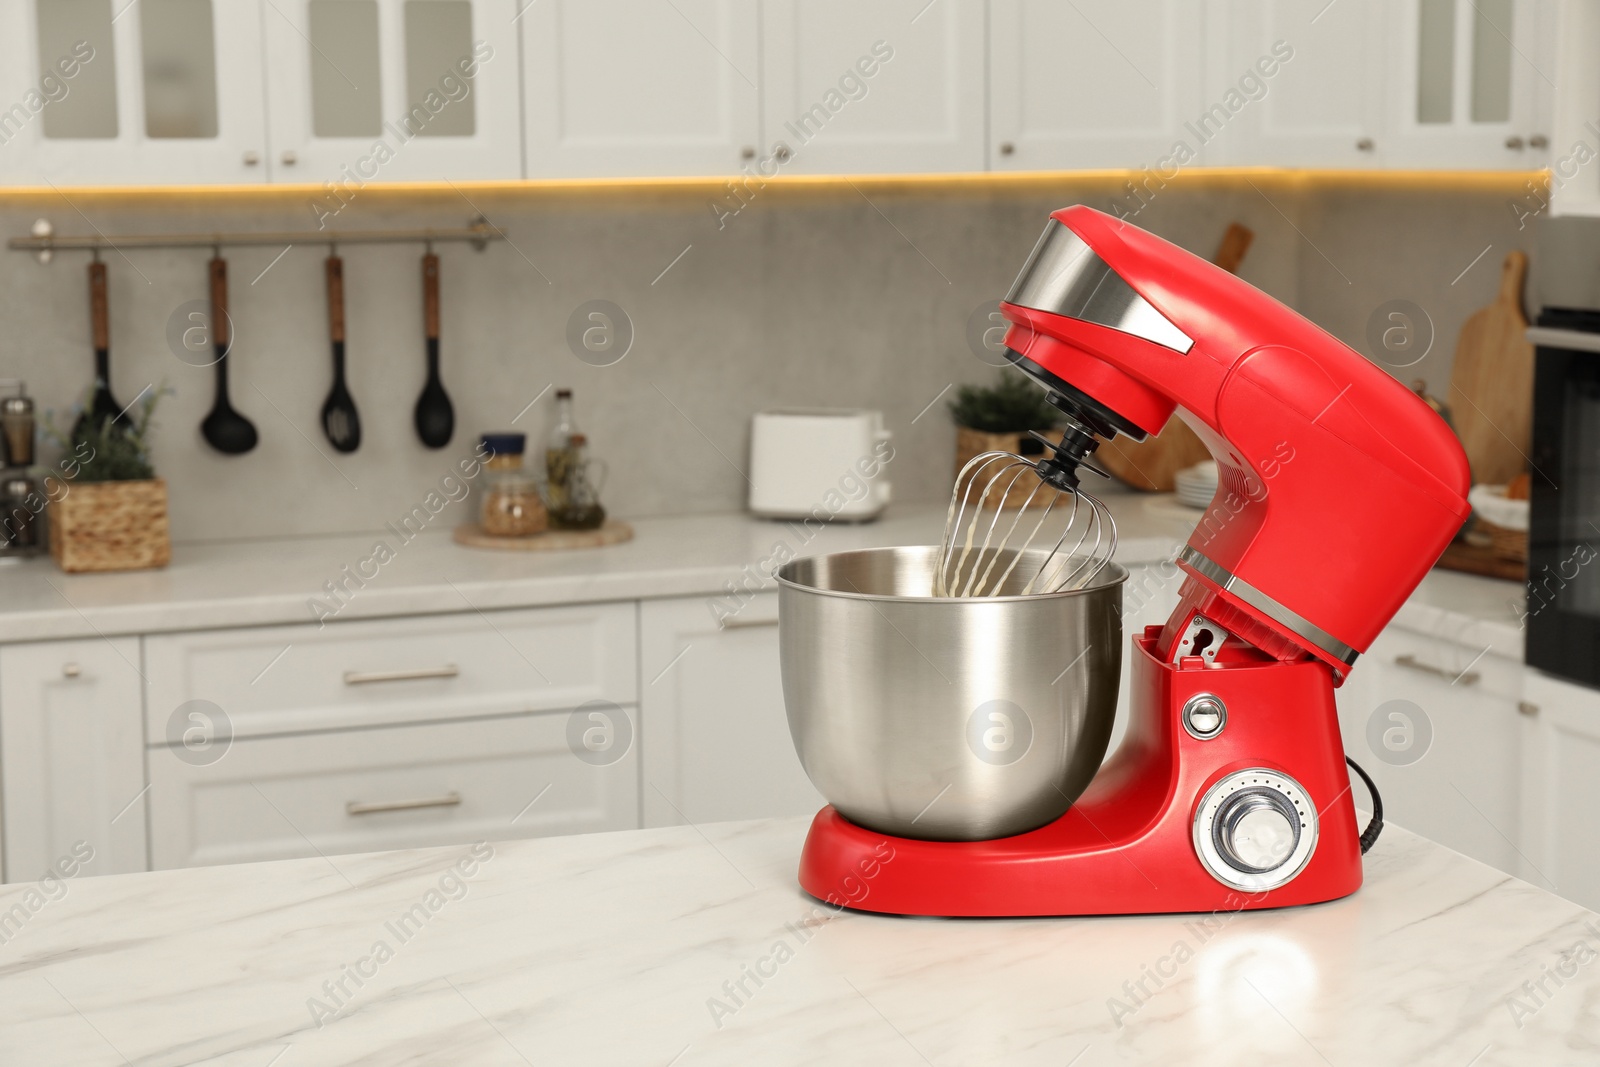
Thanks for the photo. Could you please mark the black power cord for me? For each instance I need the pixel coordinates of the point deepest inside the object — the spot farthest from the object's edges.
(1369, 836)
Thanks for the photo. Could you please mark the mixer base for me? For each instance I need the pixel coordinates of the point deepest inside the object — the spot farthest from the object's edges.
(1127, 845)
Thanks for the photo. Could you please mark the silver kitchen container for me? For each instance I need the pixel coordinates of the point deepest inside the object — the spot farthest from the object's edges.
(946, 719)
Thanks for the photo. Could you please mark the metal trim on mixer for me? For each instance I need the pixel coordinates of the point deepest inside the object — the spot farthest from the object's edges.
(1213, 571)
(1064, 276)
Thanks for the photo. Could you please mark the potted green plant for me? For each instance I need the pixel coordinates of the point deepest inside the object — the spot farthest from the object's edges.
(112, 514)
(997, 418)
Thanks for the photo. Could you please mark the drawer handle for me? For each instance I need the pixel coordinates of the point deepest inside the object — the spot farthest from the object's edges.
(746, 624)
(1411, 662)
(357, 807)
(449, 670)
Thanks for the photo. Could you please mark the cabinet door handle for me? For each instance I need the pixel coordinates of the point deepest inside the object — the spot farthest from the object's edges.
(746, 624)
(357, 807)
(1411, 662)
(449, 670)
(1527, 707)
(70, 670)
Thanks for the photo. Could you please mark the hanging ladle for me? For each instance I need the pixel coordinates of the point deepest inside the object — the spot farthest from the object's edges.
(224, 429)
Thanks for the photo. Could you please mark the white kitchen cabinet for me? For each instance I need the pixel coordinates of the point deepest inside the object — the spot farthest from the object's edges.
(1322, 106)
(370, 672)
(716, 739)
(394, 787)
(1473, 83)
(873, 86)
(159, 92)
(1561, 787)
(1436, 724)
(392, 90)
(72, 756)
(1093, 84)
(632, 88)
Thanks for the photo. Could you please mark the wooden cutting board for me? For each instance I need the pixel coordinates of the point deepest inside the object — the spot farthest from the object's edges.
(1491, 386)
(1153, 464)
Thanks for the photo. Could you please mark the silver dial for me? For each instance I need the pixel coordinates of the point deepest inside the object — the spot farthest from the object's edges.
(1255, 830)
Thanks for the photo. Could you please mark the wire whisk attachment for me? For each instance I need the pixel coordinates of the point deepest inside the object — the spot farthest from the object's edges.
(977, 556)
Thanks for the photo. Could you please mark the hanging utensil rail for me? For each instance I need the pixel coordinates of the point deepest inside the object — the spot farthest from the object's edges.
(44, 240)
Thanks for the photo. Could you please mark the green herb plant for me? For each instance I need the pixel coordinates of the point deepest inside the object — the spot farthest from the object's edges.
(1012, 405)
(115, 450)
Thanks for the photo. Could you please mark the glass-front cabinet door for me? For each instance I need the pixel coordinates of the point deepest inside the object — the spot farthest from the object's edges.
(1477, 83)
(102, 92)
(393, 90)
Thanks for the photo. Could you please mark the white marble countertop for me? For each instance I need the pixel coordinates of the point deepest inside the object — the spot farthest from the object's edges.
(268, 582)
(630, 948)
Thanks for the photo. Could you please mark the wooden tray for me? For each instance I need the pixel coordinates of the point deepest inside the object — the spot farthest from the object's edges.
(612, 533)
(1484, 561)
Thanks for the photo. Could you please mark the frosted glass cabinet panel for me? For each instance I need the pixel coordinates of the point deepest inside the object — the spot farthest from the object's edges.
(102, 92)
(620, 88)
(179, 62)
(392, 90)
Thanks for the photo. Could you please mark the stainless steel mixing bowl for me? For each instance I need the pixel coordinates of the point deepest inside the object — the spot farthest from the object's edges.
(948, 719)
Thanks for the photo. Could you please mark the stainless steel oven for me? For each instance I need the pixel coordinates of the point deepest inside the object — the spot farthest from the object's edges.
(1563, 613)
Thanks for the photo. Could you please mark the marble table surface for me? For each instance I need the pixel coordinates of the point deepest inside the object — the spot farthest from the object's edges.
(694, 945)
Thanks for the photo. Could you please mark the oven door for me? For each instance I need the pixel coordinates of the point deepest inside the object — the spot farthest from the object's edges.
(1563, 620)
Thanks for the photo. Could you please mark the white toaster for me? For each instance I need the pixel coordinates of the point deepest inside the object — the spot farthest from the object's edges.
(822, 463)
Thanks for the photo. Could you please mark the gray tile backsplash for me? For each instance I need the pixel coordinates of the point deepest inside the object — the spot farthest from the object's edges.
(809, 296)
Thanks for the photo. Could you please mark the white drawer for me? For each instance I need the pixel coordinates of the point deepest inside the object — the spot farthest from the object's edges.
(1449, 663)
(442, 783)
(291, 679)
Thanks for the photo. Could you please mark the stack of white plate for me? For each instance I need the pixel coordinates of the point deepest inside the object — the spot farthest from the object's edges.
(1196, 485)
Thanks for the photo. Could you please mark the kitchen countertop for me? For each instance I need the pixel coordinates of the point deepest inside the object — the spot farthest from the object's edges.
(630, 948)
(267, 582)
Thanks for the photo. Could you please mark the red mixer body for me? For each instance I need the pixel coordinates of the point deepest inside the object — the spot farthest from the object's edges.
(1126, 846)
(1339, 488)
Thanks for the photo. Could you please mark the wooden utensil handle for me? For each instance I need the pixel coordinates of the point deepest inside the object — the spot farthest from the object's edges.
(1235, 243)
(430, 295)
(219, 302)
(99, 311)
(335, 298)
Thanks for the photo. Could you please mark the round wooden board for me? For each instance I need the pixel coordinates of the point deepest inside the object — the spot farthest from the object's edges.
(612, 533)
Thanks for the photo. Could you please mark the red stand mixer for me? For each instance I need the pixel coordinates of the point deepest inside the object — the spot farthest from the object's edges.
(1230, 789)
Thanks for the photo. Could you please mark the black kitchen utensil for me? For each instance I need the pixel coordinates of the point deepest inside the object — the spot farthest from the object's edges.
(224, 429)
(102, 405)
(435, 418)
(340, 422)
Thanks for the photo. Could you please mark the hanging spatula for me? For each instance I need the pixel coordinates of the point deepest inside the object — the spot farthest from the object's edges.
(340, 422)
(435, 417)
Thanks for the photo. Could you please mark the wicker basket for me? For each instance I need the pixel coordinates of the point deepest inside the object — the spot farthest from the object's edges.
(1503, 542)
(111, 526)
(970, 442)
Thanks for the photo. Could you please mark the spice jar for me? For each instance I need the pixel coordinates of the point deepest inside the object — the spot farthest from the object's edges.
(16, 425)
(511, 505)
